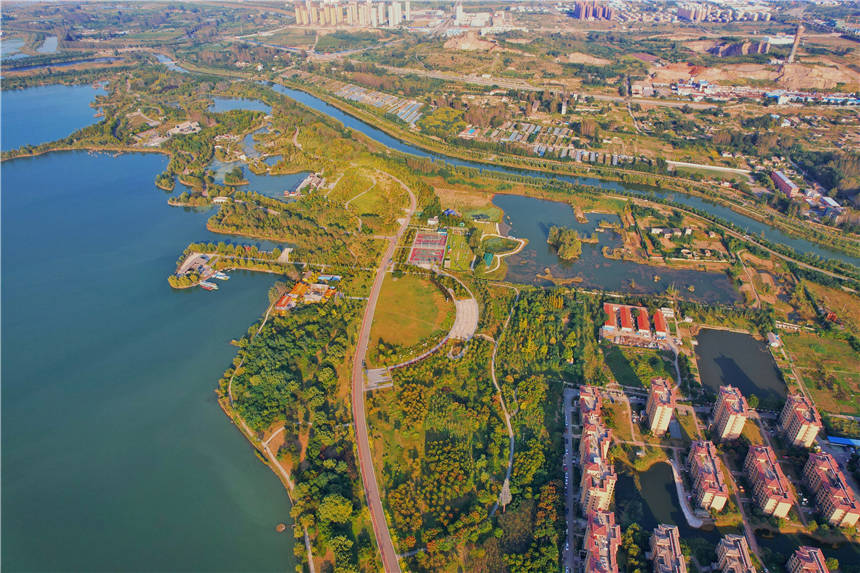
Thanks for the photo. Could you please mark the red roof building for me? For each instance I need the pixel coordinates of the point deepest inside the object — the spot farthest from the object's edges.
(642, 321)
(611, 316)
(660, 328)
(283, 302)
(626, 319)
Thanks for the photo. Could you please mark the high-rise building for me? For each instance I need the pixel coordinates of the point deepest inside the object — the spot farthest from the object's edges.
(661, 403)
(835, 499)
(730, 413)
(771, 489)
(709, 486)
(733, 555)
(591, 11)
(666, 550)
(807, 559)
(407, 10)
(598, 475)
(380, 14)
(799, 420)
(601, 543)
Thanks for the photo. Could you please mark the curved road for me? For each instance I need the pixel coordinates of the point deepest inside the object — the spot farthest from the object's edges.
(368, 477)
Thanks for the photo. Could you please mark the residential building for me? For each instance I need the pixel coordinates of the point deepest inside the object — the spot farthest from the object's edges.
(771, 489)
(626, 319)
(807, 559)
(799, 420)
(784, 184)
(836, 501)
(643, 327)
(733, 555)
(660, 328)
(589, 404)
(660, 405)
(611, 324)
(709, 486)
(666, 550)
(601, 543)
(730, 413)
(598, 479)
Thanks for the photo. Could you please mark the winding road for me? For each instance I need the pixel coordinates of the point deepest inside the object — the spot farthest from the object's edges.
(390, 561)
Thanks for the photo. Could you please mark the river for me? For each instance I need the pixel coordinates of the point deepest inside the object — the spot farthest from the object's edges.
(743, 222)
(115, 454)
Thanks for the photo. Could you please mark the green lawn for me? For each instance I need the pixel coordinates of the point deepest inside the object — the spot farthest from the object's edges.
(637, 366)
(410, 309)
(459, 252)
(498, 245)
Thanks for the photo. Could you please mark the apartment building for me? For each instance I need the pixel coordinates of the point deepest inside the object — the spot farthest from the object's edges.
(601, 543)
(666, 550)
(660, 405)
(807, 559)
(799, 421)
(733, 555)
(730, 413)
(835, 499)
(706, 471)
(771, 489)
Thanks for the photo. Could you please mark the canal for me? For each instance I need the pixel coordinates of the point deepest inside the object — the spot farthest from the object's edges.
(735, 358)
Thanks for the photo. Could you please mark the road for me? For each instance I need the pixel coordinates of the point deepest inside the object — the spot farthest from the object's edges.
(710, 167)
(390, 562)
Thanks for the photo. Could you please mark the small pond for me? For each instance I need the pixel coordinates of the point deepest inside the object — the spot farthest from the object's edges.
(49, 46)
(268, 185)
(223, 104)
(531, 218)
(738, 359)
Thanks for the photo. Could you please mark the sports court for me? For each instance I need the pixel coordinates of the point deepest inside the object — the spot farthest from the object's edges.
(428, 249)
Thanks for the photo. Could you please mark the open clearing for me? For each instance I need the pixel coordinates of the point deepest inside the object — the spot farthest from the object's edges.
(830, 369)
(411, 309)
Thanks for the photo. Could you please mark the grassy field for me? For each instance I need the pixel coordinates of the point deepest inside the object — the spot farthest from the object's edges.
(410, 309)
(497, 245)
(637, 366)
(844, 304)
(459, 252)
(830, 369)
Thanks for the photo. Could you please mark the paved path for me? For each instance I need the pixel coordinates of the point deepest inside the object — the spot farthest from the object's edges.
(390, 562)
(709, 167)
(692, 520)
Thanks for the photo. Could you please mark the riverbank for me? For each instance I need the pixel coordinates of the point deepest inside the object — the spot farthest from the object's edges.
(676, 184)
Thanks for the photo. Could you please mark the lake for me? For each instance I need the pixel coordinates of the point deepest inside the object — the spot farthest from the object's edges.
(171, 65)
(115, 453)
(725, 357)
(531, 218)
(43, 114)
(742, 221)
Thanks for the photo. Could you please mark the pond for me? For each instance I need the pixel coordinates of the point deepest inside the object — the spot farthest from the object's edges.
(531, 218)
(650, 498)
(171, 65)
(268, 185)
(49, 46)
(11, 48)
(223, 104)
(735, 358)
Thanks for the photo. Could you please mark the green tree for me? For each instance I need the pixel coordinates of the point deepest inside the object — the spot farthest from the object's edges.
(336, 508)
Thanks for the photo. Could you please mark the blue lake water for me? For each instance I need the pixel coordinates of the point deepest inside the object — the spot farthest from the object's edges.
(530, 218)
(744, 222)
(268, 185)
(11, 47)
(39, 115)
(171, 65)
(115, 454)
(66, 64)
(222, 104)
(49, 46)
